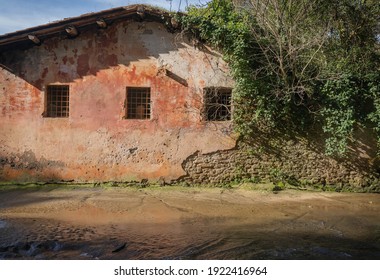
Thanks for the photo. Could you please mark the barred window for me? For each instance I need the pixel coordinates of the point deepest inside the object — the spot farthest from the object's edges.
(137, 103)
(57, 101)
(217, 104)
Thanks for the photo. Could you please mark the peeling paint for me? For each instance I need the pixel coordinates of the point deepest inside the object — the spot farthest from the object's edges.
(96, 142)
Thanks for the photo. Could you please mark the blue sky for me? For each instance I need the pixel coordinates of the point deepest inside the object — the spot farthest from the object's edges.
(20, 14)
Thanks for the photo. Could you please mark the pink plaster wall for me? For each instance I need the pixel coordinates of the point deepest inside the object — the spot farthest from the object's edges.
(95, 143)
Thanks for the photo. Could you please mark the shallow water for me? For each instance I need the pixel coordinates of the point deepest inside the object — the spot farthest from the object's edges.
(107, 225)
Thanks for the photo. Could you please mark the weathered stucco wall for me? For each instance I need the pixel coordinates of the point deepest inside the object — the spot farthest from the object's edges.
(96, 143)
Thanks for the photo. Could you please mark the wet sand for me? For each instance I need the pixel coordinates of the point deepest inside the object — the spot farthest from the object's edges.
(187, 223)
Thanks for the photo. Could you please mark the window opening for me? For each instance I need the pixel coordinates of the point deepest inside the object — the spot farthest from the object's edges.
(217, 104)
(57, 101)
(138, 103)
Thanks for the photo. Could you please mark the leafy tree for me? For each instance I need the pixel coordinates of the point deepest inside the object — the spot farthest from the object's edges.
(350, 92)
(298, 63)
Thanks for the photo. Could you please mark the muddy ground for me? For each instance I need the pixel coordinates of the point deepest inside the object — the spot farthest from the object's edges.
(186, 223)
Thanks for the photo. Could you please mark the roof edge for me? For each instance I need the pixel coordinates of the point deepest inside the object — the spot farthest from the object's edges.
(58, 27)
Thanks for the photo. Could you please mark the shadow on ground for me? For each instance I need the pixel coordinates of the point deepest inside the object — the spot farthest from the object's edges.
(46, 239)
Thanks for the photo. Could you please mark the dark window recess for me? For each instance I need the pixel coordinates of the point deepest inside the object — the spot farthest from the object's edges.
(57, 101)
(217, 104)
(138, 103)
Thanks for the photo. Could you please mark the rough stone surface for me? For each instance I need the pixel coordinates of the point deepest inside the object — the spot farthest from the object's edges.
(294, 162)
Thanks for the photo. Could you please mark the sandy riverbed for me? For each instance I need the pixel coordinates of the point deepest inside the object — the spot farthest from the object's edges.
(187, 223)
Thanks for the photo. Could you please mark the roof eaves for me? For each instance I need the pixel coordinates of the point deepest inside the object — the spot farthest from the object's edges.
(57, 27)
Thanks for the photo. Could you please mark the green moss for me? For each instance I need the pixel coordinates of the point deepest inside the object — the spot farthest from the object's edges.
(253, 183)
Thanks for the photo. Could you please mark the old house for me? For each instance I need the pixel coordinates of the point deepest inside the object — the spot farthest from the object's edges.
(117, 95)
(125, 95)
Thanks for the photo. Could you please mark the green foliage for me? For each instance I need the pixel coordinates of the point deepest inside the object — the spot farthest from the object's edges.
(338, 112)
(374, 93)
(298, 63)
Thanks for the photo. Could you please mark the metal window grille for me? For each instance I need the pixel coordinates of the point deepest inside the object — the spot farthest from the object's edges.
(138, 103)
(217, 104)
(57, 101)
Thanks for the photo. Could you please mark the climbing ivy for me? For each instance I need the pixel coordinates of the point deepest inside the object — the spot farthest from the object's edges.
(297, 64)
(338, 112)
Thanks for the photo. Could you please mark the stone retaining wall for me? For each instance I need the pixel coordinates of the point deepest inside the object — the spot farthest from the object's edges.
(287, 161)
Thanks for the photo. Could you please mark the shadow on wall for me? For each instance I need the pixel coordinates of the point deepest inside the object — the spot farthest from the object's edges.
(26, 167)
(303, 154)
(295, 158)
(63, 60)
